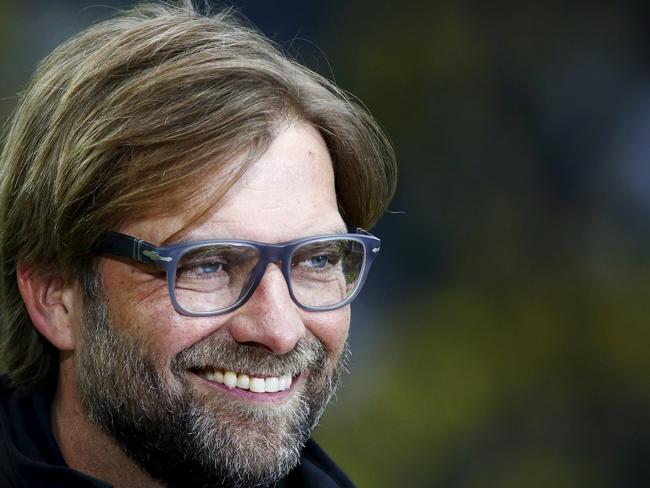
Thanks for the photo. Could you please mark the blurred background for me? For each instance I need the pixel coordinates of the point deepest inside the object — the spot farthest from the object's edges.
(502, 340)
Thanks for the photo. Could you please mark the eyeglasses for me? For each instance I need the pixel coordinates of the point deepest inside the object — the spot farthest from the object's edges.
(214, 277)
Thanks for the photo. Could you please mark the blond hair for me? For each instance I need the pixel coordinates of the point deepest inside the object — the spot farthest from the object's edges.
(129, 117)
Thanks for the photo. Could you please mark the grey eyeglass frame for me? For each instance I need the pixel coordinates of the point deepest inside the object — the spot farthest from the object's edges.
(167, 258)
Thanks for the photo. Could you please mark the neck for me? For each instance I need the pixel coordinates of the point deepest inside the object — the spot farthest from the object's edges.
(84, 446)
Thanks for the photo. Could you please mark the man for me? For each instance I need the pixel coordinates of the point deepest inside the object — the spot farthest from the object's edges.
(182, 209)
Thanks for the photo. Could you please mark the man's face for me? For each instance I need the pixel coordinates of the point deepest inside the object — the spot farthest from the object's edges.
(145, 371)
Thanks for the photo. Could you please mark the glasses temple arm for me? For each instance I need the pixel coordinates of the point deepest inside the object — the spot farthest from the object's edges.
(117, 244)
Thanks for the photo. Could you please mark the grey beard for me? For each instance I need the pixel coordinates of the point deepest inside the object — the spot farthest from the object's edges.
(184, 439)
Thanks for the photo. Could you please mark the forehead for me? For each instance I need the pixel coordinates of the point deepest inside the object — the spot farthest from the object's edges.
(287, 193)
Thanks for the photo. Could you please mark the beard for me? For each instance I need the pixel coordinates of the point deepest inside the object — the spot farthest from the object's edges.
(186, 438)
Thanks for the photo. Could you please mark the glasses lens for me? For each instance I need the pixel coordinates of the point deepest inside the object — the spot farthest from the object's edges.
(327, 272)
(213, 277)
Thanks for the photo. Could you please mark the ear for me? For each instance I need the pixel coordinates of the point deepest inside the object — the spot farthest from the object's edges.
(53, 304)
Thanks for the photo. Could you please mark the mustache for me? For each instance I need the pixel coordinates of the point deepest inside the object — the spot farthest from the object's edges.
(309, 353)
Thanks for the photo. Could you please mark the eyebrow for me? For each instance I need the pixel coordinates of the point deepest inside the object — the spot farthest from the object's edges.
(188, 238)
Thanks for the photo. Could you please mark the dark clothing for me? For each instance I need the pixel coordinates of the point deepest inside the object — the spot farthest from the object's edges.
(30, 457)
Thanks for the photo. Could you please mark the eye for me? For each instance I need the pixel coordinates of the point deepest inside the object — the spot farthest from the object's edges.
(209, 267)
(317, 261)
(201, 269)
(318, 256)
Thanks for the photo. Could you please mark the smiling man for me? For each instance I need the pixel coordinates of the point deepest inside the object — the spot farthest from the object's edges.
(182, 213)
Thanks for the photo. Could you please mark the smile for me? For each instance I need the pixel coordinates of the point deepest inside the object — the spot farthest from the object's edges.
(269, 384)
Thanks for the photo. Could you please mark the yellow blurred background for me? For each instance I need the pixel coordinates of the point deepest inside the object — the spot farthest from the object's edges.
(502, 340)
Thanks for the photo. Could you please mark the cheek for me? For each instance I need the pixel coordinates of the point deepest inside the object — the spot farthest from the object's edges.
(331, 328)
(133, 300)
(140, 308)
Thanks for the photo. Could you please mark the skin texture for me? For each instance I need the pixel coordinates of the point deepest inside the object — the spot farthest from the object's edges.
(287, 194)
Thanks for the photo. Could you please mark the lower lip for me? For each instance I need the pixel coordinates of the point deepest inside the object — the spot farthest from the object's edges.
(275, 397)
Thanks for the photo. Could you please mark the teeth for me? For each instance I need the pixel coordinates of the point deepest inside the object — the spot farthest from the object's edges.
(230, 379)
(243, 381)
(285, 382)
(257, 385)
(270, 384)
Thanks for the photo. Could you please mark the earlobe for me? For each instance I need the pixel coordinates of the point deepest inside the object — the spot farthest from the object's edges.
(52, 303)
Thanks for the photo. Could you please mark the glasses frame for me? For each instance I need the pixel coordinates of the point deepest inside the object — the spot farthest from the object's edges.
(167, 258)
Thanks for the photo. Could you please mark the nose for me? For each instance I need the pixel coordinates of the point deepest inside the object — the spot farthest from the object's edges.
(269, 319)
